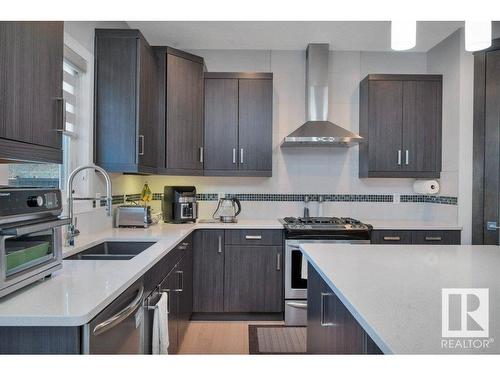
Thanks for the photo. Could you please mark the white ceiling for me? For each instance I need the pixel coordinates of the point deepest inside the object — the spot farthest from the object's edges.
(287, 35)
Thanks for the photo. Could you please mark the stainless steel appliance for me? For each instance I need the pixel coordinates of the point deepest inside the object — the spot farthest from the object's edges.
(30, 236)
(317, 130)
(179, 204)
(227, 210)
(133, 216)
(312, 230)
(119, 328)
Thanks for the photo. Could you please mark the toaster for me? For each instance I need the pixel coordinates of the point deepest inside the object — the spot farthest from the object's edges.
(133, 216)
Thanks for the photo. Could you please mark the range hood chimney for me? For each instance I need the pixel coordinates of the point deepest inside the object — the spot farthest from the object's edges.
(318, 131)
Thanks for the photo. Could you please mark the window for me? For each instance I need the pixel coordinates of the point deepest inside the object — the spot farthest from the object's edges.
(55, 175)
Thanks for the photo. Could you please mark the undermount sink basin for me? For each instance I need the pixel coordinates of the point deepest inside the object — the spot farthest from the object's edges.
(112, 250)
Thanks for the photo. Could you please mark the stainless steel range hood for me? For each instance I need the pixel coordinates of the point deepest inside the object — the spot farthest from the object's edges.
(318, 131)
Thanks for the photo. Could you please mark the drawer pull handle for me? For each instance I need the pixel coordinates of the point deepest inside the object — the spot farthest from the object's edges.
(253, 237)
(433, 239)
(394, 238)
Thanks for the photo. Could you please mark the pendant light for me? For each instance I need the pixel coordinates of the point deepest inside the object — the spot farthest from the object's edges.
(477, 35)
(403, 35)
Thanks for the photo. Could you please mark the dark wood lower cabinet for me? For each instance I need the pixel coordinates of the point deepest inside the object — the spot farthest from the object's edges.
(416, 237)
(185, 293)
(208, 271)
(253, 279)
(331, 328)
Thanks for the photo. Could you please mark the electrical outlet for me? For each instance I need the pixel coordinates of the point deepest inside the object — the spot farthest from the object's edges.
(221, 195)
(396, 198)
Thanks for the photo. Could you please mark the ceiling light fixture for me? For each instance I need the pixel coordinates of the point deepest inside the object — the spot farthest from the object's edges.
(477, 35)
(403, 35)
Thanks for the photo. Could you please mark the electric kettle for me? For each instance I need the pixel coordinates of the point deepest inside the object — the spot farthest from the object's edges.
(227, 210)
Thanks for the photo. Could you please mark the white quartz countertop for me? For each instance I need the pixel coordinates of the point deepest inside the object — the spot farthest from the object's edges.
(82, 288)
(394, 291)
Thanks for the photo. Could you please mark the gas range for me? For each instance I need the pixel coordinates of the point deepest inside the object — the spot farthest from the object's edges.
(331, 228)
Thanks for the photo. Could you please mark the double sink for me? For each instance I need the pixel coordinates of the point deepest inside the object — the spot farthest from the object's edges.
(112, 250)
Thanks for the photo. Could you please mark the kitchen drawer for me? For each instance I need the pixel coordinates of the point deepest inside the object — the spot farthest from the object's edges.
(253, 237)
(391, 237)
(436, 237)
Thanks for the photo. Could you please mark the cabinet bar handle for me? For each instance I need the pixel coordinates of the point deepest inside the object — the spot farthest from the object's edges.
(181, 275)
(407, 157)
(201, 154)
(241, 156)
(433, 238)
(248, 237)
(395, 238)
(322, 310)
(63, 115)
(141, 145)
(220, 245)
(278, 261)
(234, 156)
(399, 157)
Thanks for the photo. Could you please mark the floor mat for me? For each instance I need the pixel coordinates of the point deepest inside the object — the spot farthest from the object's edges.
(276, 339)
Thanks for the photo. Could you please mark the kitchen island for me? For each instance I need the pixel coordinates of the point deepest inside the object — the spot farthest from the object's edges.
(395, 292)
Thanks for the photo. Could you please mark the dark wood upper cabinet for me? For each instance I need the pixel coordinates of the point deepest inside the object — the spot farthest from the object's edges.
(221, 124)
(126, 109)
(31, 116)
(238, 124)
(181, 107)
(400, 118)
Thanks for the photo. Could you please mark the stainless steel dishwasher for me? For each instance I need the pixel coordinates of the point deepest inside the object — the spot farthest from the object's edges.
(118, 329)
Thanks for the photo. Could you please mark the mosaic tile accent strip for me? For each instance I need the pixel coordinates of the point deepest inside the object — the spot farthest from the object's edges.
(250, 197)
(437, 199)
(207, 196)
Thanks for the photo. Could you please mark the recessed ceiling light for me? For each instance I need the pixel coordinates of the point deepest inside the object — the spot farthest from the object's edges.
(403, 35)
(477, 35)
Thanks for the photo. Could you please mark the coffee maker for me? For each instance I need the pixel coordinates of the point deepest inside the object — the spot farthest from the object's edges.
(179, 204)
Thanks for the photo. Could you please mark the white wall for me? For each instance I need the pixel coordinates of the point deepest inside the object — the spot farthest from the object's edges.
(457, 66)
(333, 171)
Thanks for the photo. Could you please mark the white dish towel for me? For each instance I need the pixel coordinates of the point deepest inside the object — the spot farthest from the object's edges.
(303, 268)
(160, 326)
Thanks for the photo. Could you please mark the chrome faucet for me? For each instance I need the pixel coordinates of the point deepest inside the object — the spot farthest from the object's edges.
(72, 230)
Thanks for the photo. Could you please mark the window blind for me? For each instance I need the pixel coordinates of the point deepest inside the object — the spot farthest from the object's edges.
(70, 90)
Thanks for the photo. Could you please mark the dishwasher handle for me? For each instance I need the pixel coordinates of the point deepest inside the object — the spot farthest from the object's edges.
(121, 315)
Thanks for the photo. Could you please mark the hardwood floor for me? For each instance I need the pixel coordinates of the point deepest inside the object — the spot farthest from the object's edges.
(225, 337)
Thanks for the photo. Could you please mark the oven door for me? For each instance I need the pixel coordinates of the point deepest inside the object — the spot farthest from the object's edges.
(295, 284)
(28, 250)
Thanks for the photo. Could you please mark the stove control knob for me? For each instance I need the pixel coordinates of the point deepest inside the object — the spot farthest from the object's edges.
(35, 201)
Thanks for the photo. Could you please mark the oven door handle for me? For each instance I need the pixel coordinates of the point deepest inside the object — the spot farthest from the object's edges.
(298, 305)
(33, 228)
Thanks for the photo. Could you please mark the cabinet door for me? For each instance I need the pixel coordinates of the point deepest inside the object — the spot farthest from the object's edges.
(255, 124)
(185, 272)
(148, 106)
(221, 124)
(115, 137)
(421, 126)
(208, 271)
(385, 126)
(331, 329)
(253, 279)
(31, 57)
(184, 107)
